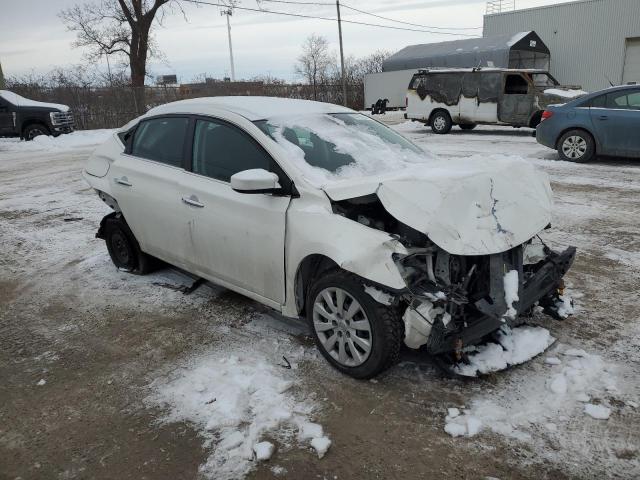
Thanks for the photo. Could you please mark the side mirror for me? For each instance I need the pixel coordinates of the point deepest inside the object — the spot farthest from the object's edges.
(256, 180)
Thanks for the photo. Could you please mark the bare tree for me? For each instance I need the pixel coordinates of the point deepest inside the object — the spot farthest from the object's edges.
(315, 62)
(121, 28)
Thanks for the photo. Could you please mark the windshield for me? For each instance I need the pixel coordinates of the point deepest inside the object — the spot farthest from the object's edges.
(329, 147)
(543, 80)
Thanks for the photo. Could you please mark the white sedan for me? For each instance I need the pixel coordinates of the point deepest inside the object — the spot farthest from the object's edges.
(321, 212)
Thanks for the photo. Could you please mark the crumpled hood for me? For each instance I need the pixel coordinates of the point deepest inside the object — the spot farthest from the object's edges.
(475, 206)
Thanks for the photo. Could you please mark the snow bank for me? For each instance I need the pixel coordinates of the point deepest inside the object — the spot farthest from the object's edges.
(515, 346)
(565, 93)
(546, 400)
(77, 139)
(235, 401)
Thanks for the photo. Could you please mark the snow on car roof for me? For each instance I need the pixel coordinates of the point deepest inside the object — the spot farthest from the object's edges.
(252, 108)
(20, 101)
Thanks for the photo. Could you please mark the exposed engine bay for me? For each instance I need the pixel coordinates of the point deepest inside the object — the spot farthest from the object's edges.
(453, 301)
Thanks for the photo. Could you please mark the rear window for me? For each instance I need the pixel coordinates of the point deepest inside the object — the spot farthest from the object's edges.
(416, 81)
(161, 139)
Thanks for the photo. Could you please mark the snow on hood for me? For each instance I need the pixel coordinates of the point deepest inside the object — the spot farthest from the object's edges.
(565, 93)
(20, 101)
(475, 206)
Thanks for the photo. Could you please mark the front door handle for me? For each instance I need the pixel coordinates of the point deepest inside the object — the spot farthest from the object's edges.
(123, 181)
(193, 201)
(603, 117)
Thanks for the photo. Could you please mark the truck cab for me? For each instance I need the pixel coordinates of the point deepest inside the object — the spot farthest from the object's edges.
(27, 119)
(467, 97)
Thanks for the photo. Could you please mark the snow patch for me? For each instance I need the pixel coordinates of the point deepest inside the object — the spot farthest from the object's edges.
(321, 445)
(378, 295)
(597, 411)
(565, 93)
(511, 284)
(515, 346)
(235, 401)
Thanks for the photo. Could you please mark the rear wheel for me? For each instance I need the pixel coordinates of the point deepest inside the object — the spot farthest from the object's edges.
(441, 122)
(576, 146)
(124, 249)
(468, 126)
(355, 333)
(35, 130)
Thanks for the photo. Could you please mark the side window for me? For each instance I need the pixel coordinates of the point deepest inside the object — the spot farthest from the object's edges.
(599, 102)
(220, 150)
(515, 85)
(624, 100)
(161, 139)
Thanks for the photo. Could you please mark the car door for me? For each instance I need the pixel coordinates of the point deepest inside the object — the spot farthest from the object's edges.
(238, 238)
(516, 100)
(146, 178)
(616, 121)
(7, 119)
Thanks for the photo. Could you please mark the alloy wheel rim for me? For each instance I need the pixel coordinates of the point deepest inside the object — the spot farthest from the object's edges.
(439, 123)
(342, 326)
(574, 146)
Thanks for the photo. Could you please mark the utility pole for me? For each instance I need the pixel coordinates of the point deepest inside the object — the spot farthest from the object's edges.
(344, 79)
(228, 13)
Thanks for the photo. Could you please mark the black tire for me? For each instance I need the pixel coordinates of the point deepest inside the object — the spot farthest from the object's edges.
(35, 130)
(468, 126)
(441, 122)
(124, 249)
(387, 329)
(576, 146)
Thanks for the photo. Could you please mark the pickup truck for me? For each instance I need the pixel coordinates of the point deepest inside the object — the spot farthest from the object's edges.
(24, 118)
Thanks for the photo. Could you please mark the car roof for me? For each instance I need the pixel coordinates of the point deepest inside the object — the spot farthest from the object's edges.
(252, 108)
(422, 71)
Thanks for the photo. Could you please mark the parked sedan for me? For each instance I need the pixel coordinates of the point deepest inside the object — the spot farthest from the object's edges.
(601, 123)
(320, 212)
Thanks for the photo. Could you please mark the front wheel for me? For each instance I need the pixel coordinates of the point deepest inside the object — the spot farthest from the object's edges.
(441, 122)
(576, 146)
(35, 130)
(355, 333)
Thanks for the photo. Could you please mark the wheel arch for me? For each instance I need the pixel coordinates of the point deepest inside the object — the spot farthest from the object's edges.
(584, 129)
(535, 118)
(439, 109)
(309, 268)
(33, 121)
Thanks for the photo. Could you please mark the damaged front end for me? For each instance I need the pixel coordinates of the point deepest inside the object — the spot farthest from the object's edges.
(455, 301)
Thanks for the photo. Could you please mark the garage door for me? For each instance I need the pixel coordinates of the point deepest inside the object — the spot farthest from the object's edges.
(631, 71)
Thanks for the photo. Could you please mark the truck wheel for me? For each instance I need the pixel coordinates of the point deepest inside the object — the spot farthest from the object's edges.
(576, 146)
(35, 130)
(123, 248)
(355, 333)
(441, 122)
(468, 126)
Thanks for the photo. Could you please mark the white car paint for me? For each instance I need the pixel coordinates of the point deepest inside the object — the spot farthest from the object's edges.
(254, 244)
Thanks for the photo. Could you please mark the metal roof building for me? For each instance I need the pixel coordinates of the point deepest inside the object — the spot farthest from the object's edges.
(506, 50)
(592, 42)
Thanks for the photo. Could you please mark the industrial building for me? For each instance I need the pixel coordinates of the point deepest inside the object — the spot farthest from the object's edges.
(593, 42)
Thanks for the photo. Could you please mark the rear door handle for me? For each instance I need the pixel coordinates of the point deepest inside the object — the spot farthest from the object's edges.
(193, 201)
(123, 181)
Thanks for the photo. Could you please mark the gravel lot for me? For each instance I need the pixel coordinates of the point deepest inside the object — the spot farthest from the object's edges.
(84, 348)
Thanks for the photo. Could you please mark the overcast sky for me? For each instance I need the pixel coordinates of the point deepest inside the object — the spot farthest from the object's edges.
(32, 37)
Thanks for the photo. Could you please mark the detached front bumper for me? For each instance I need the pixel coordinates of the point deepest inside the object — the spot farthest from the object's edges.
(538, 283)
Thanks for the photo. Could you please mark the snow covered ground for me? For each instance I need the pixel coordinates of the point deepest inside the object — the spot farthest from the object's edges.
(107, 373)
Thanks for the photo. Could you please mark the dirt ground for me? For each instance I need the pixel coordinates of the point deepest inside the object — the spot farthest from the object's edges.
(97, 337)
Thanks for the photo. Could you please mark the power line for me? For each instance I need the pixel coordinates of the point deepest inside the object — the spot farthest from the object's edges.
(297, 2)
(300, 15)
(400, 21)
